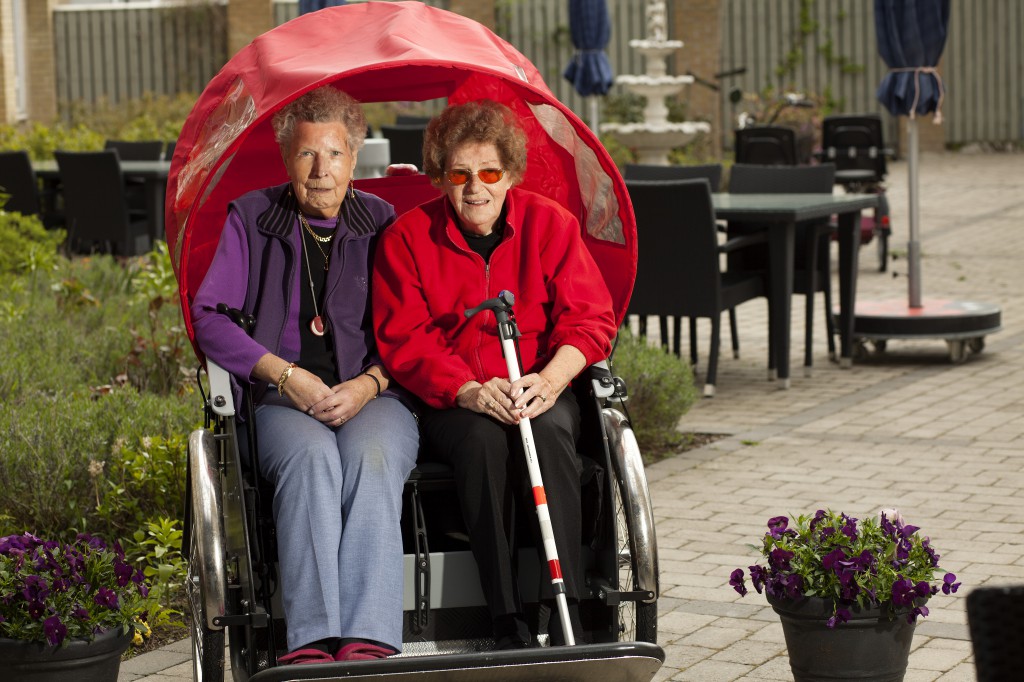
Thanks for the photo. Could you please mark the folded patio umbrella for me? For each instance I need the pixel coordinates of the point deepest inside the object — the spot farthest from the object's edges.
(589, 71)
(911, 36)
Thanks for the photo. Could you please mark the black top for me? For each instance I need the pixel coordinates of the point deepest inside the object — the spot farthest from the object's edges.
(316, 353)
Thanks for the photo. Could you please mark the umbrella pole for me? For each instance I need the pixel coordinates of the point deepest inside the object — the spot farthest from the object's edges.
(595, 115)
(914, 244)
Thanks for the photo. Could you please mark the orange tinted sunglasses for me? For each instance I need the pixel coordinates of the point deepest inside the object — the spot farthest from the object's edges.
(488, 176)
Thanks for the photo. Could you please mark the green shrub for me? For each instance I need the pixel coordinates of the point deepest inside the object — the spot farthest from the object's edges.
(92, 376)
(57, 444)
(25, 245)
(150, 117)
(41, 140)
(661, 391)
(86, 128)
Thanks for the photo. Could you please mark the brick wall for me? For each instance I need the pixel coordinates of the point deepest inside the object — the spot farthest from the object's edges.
(41, 73)
(7, 74)
(696, 23)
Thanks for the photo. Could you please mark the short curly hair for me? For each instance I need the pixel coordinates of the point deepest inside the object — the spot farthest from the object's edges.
(326, 104)
(482, 121)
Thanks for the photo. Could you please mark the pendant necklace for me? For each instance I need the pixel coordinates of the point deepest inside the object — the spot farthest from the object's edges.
(316, 325)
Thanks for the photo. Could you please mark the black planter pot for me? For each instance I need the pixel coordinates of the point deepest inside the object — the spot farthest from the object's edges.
(869, 647)
(79, 661)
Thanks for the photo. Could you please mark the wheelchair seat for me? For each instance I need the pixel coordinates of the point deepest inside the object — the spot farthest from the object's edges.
(233, 587)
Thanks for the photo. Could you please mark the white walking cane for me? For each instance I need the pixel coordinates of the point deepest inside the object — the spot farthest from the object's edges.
(508, 332)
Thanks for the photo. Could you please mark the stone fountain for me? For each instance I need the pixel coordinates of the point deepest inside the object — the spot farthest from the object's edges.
(656, 136)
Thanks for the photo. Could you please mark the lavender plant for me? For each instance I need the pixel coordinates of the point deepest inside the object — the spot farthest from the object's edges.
(51, 592)
(881, 562)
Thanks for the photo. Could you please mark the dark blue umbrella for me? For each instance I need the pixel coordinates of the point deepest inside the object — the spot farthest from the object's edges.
(589, 71)
(307, 6)
(911, 36)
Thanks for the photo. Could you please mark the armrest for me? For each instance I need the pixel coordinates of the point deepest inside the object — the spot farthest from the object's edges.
(746, 240)
(221, 400)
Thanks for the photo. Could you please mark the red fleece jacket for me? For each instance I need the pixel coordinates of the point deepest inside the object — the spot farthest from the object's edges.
(425, 278)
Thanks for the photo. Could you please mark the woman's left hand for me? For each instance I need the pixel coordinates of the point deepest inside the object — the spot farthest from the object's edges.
(534, 395)
(345, 401)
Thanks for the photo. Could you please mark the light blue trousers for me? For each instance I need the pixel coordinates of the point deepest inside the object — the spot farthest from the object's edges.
(337, 508)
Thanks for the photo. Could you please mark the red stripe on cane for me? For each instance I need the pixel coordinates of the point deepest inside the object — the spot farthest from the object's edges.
(539, 497)
(556, 569)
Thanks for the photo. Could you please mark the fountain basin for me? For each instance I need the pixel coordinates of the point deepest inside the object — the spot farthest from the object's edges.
(653, 142)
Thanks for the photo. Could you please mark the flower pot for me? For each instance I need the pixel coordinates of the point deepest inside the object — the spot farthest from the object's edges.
(869, 647)
(81, 661)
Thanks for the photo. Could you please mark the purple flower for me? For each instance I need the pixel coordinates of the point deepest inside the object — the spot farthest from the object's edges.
(915, 612)
(80, 613)
(777, 526)
(758, 577)
(840, 616)
(793, 585)
(737, 582)
(36, 610)
(819, 516)
(849, 527)
(55, 630)
(903, 593)
(106, 597)
(35, 589)
(907, 531)
(831, 561)
(778, 559)
(949, 586)
(123, 572)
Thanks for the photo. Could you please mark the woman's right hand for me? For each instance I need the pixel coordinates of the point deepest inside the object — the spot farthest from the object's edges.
(302, 387)
(491, 398)
(305, 390)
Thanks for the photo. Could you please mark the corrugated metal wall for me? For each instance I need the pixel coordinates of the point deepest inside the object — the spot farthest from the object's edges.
(982, 65)
(120, 52)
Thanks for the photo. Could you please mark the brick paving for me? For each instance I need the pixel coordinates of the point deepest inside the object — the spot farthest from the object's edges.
(942, 442)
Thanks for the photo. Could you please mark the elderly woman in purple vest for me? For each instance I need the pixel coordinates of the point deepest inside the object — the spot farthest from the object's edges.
(335, 436)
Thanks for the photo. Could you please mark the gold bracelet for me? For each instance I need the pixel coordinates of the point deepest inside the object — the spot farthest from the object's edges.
(376, 381)
(284, 377)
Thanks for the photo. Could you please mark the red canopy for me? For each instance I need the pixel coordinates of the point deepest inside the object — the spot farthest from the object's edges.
(381, 52)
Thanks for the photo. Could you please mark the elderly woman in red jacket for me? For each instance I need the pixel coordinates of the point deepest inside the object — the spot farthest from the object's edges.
(481, 236)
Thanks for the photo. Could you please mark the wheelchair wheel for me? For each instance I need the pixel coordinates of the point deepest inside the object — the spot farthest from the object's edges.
(206, 583)
(207, 644)
(636, 547)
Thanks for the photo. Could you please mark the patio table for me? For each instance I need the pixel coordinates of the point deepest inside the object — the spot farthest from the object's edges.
(152, 173)
(780, 213)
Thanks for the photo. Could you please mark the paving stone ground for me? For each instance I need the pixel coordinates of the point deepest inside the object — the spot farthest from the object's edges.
(942, 442)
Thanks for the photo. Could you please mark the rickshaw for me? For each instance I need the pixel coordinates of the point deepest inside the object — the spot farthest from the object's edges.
(388, 52)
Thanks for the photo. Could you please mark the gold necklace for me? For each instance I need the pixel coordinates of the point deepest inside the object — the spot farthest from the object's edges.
(318, 238)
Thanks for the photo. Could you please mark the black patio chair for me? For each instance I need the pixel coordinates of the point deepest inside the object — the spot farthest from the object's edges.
(136, 150)
(766, 146)
(406, 143)
(641, 171)
(18, 180)
(144, 150)
(96, 205)
(812, 258)
(169, 150)
(678, 266)
(996, 641)
(855, 144)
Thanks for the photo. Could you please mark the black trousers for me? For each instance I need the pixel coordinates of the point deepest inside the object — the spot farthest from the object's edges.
(493, 482)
